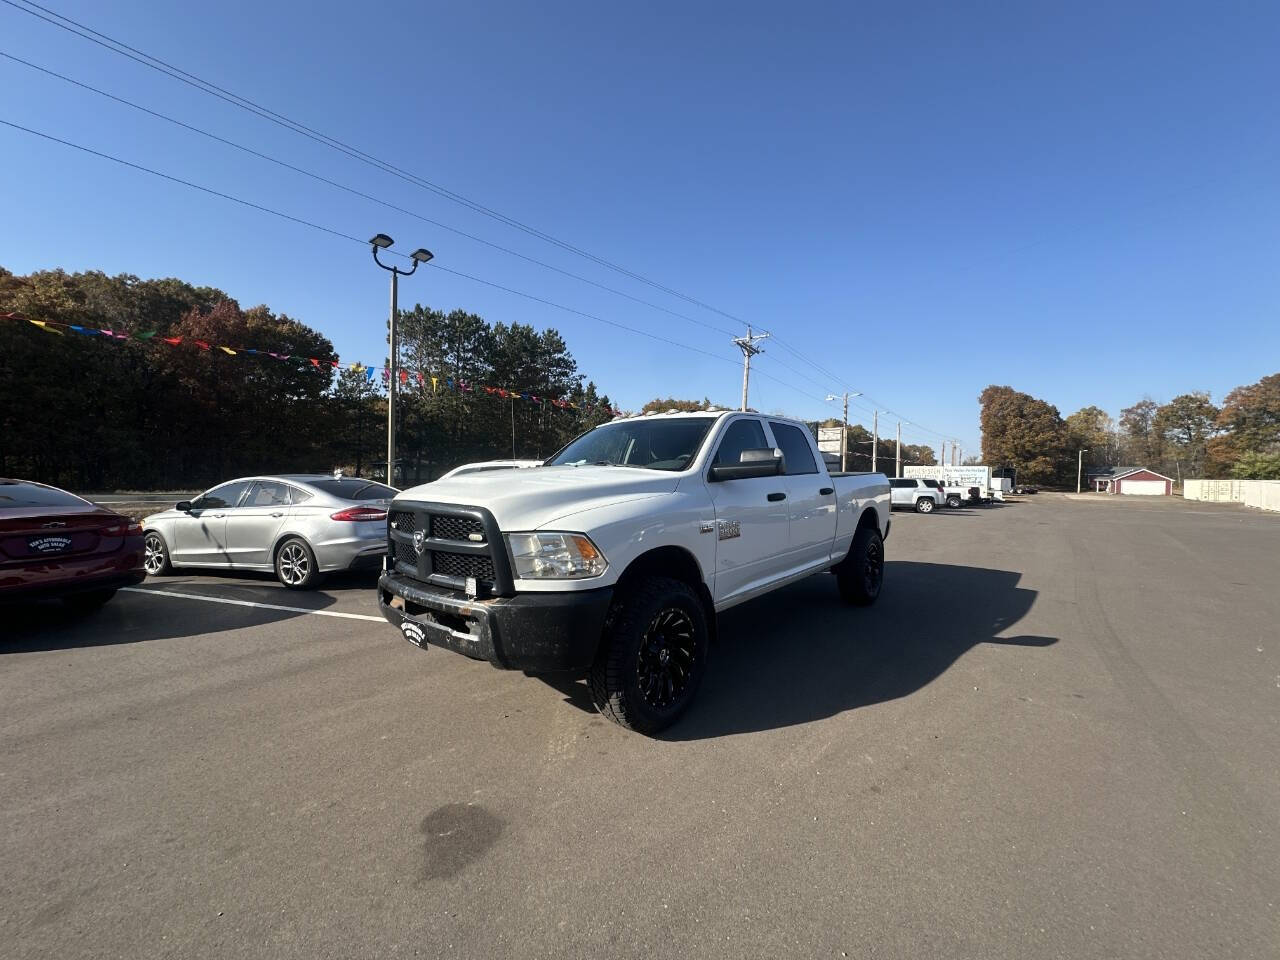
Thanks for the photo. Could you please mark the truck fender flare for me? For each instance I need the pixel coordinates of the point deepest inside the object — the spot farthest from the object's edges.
(678, 564)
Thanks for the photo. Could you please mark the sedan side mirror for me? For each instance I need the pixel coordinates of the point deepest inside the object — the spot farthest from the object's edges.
(183, 505)
(761, 462)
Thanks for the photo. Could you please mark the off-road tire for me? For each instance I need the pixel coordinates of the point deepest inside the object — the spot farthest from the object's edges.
(860, 575)
(615, 677)
(924, 505)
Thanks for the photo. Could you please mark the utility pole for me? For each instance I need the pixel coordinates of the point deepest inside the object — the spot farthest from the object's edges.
(875, 438)
(898, 468)
(1080, 465)
(749, 349)
(844, 433)
(844, 437)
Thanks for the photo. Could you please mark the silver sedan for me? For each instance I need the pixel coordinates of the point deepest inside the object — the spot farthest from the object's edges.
(300, 526)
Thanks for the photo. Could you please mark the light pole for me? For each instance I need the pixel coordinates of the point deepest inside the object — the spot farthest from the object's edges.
(421, 255)
(1080, 465)
(844, 433)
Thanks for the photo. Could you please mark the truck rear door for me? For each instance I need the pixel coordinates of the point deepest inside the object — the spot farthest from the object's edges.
(811, 499)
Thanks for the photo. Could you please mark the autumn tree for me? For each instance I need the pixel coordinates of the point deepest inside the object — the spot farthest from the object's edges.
(1184, 427)
(1092, 429)
(661, 405)
(251, 391)
(1250, 423)
(1023, 432)
(1142, 444)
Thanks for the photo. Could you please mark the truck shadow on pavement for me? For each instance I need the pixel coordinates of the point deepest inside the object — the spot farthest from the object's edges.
(799, 655)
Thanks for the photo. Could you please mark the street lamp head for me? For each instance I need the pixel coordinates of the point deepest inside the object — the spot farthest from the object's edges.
(422, 255)
(382, 241)
(831, 396)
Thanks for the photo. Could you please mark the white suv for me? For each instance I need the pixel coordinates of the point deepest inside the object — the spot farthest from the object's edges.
(922, 495)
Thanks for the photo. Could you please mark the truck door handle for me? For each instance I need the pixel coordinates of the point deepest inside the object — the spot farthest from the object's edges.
(826, 491)
(775, 497)
(277, 514)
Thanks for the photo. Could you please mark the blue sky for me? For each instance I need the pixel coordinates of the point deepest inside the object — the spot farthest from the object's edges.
(1076, 199)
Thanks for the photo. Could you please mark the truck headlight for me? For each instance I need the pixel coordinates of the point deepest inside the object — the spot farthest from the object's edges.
(555, 556)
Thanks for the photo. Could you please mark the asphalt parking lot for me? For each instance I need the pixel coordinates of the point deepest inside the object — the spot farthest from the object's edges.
(1056, 735)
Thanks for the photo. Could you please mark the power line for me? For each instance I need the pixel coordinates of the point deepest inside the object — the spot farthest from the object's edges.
(121, 48)
(346, 236)
(155, 63)
(359, 193)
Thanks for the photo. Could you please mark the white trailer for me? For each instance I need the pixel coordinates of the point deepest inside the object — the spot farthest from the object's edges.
(975, 475)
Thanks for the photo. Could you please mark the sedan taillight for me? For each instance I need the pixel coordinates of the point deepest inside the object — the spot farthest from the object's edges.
(359, 514)
(130, 528)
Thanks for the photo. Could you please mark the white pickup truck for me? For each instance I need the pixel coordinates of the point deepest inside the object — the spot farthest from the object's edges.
(613, 559)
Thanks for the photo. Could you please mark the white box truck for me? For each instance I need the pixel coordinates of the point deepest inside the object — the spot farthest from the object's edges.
(974, 475)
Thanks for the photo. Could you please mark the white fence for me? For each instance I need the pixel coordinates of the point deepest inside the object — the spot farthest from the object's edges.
(1263, 494)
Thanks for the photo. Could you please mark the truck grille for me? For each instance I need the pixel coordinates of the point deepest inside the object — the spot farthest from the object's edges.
(462, 565)
(456, 528)
(460, 544)
(405, 554)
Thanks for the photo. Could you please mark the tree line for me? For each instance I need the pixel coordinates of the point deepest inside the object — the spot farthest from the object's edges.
(1189, 436)
(95, 413)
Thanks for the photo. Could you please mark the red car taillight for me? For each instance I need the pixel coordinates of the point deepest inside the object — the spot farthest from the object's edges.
(359, 514)
(130, 528)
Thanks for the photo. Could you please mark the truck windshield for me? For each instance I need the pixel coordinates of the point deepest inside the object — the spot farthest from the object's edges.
(651, 443)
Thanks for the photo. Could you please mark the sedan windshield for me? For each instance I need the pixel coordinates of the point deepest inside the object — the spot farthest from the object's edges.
(650, 443)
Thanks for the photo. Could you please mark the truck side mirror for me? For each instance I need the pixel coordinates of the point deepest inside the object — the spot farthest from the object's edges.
(760, 462)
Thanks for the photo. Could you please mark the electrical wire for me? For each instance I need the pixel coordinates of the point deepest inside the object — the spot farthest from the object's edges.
(359, 193)
(85, 32)
(155, 63)
(346, 236)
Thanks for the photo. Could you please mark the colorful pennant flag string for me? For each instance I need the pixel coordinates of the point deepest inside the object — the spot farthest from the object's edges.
(317, 363)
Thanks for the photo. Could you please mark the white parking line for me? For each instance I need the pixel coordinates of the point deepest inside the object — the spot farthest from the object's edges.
(249, 603)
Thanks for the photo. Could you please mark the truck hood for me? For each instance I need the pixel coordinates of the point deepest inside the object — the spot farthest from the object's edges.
(532, 499)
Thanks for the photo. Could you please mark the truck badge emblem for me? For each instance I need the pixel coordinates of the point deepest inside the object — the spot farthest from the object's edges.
(730, 529)
(419, 539)
(705, 527)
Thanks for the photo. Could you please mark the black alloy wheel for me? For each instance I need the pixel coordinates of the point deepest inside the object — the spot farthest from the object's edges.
(652, 655)
(860, 576)
(668, 653)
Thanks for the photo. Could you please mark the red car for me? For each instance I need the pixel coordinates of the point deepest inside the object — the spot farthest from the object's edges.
(54, 544)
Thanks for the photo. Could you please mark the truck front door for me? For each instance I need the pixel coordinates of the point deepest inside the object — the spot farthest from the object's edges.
(751, 519)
